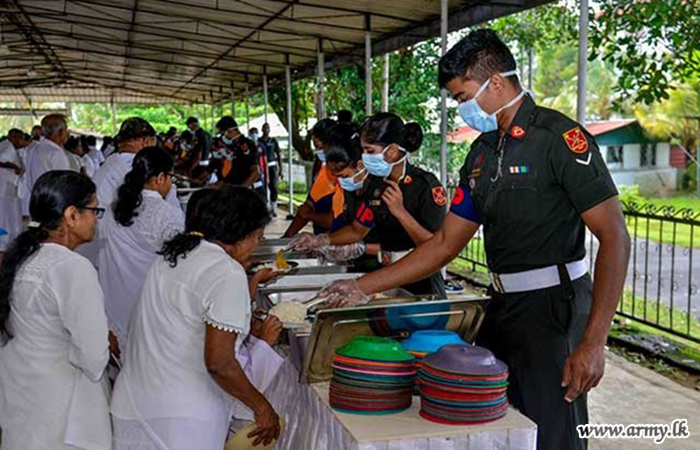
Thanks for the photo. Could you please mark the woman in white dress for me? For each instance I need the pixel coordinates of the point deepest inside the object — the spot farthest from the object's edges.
(141, 222)
(53, 330)
(180, 374)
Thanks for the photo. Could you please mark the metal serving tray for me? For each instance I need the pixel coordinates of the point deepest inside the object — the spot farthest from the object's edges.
(317, 280)
(298, 337)
(334, 328)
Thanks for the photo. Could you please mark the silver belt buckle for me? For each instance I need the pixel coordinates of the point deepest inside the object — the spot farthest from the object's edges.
(497, 283)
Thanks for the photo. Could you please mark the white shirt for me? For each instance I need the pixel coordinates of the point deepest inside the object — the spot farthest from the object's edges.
(108, 178)
(97, 157)
(74, 161)
(164, 366)
(52, 391)
(89, 164)
(10, 205)
(130, 251)
(8, 178)
(111, 175)
(43, 157)
(109, 150)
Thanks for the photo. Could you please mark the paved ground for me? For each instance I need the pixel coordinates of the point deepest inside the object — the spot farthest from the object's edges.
(666, 272)
(631, 394)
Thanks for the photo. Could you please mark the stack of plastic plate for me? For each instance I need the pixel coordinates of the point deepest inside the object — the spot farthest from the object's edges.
(424, 342)
(463, 385)
(372, 375)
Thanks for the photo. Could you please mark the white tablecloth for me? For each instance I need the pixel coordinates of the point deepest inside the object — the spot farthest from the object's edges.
(313, 425)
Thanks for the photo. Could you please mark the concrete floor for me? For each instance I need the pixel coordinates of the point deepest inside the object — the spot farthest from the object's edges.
(632, 394)
(628, 394)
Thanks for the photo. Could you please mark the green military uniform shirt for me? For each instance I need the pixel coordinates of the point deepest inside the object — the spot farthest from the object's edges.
(530, 187)
(424, 199)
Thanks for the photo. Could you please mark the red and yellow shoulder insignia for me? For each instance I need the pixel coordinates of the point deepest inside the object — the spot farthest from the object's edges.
(517, 132)
(439, 196)
(407, 179)
(576, 140)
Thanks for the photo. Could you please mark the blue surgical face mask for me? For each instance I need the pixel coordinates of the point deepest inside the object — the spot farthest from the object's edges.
(321, 155)
(226, 140)
(349, 184)
(477, 118)
(376, 164)
(254, 137)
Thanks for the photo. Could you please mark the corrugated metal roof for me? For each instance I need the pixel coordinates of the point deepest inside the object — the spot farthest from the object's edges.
(199, 50)
(606, 126)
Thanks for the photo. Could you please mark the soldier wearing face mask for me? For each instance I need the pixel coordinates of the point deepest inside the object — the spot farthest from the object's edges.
(535, 180)
(243, 156)
(200, 139)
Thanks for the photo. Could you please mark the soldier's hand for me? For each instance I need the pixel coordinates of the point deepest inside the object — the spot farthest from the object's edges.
(583, 369)
(393, 198)
(309, 242)
(343, 293)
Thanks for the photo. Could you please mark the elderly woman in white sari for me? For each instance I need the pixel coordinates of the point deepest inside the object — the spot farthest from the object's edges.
(181, 376)
(141, 221)
(53, 330)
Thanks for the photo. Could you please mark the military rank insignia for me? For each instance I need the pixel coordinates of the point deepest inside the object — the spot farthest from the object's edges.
(576, 140)
(439, 196)
(517, 132)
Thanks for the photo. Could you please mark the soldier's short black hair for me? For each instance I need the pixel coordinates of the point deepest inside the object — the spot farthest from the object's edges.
(476, 57)
(226, 123)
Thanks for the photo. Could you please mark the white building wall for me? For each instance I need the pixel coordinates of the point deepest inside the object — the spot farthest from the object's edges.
(631, 156)
(650, 181)
(663, 155)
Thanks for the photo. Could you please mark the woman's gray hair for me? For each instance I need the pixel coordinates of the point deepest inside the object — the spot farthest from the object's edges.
(53, 124)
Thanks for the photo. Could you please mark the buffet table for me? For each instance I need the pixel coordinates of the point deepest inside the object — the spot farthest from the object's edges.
(313, 425)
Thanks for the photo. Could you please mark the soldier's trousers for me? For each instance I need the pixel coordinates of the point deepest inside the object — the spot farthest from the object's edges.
(534, 332)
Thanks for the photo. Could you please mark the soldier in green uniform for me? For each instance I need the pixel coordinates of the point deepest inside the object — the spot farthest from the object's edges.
(403, 203)
(535, 180)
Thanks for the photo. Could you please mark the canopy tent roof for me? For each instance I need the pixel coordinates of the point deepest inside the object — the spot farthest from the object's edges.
(186, 51)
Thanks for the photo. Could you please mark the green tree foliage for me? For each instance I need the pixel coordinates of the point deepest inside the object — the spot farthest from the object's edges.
(654, 45)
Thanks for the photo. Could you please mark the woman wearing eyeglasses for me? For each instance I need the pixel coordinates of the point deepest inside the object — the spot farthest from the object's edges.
(141, 222)
(53, 330)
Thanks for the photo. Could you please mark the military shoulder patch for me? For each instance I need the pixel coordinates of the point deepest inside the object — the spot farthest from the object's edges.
(439, 196)
(576, 140)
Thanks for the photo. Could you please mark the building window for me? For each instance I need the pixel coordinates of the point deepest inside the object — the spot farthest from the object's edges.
(614, 157)
(647, 158)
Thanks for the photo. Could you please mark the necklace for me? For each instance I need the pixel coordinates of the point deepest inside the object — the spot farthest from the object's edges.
(500, 152)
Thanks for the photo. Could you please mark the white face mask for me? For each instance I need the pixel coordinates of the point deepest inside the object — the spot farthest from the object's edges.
(376, 164)
(473, 115)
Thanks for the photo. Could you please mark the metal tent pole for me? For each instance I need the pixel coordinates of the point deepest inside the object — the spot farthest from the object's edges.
(368, 65)
(443, 97)
(114, 116)
(265, 90)
(582, 62)
(290, 151)
(385, 84)
(247, 111)
(321, 107)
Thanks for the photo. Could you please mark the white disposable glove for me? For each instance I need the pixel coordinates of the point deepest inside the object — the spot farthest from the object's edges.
(343, 294)
(309, 242)
(340, 253)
